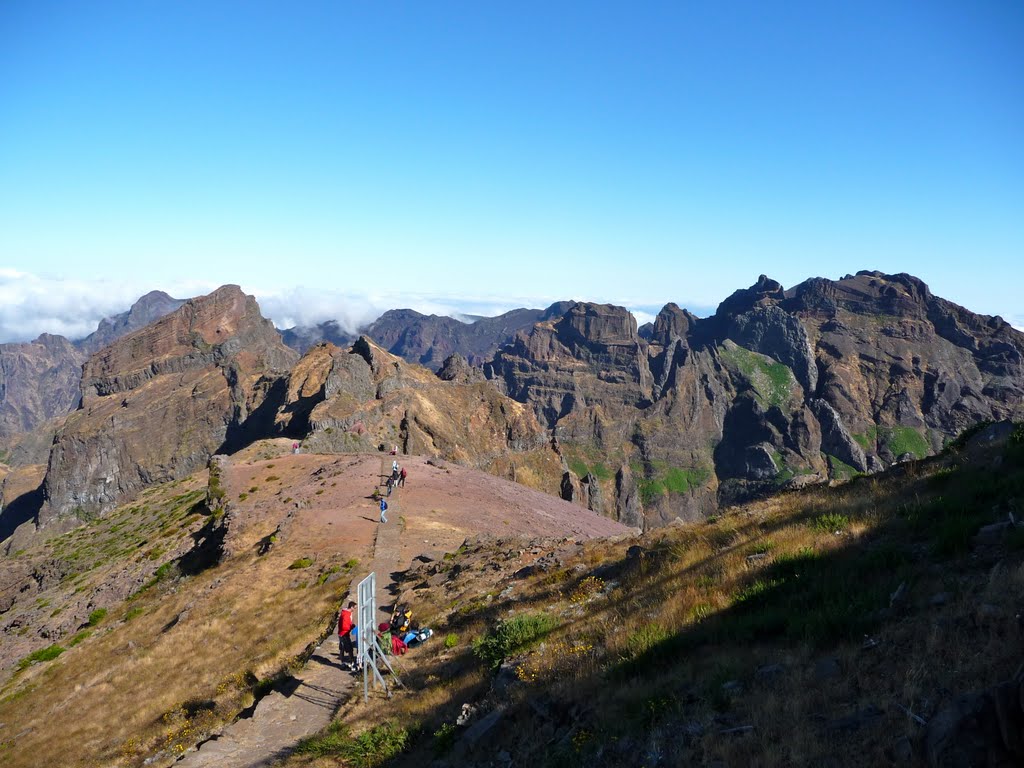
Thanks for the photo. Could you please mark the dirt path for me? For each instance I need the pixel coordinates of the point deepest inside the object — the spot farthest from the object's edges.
(308, 700)
(441, 506)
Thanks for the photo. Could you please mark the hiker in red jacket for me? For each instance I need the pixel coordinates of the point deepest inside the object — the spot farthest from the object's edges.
(401, 477)
(345, 625)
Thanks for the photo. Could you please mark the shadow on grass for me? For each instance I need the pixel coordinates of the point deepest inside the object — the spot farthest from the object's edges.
(928, 515)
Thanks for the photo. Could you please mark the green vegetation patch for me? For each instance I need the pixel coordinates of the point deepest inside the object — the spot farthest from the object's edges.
(771, 381)
(659, 478)
(97, 616)
(840, 469)
(805, 597)
(43, 654)
(79, 637)
(901, 440)
(369, 749)
(302, 562)
(508, 637)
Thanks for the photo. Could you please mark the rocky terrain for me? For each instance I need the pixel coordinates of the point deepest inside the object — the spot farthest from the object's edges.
(364, 398)
(225, 575)
(162, 400)
(675, 420)
(429, 339)
(41, 380)
(777, 388)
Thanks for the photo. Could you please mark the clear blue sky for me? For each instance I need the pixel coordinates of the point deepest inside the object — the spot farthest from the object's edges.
(490, 152)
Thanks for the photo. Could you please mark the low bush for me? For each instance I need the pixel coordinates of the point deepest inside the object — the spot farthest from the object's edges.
(371, 748)
(43, 654)
(509, 636)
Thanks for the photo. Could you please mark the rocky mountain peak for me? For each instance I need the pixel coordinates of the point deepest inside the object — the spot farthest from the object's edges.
(765, 290)
(146, 310)
(598, 324)
(160, 401)
(207, 330)
(672, 323)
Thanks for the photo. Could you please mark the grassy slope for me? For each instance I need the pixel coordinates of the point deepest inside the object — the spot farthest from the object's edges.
(183, 654)
(654, 657)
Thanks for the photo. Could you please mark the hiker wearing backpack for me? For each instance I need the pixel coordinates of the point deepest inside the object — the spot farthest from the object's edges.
(383, 511)
(345, 627)
(401, 477)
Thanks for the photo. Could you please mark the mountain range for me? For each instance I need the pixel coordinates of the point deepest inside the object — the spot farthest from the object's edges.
(646, 425)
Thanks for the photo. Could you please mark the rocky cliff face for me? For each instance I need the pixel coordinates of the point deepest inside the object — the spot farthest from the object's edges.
(146, 310)
(41, 380)
(38, 381)
(777, 388)
(362, 398)
(429, 339)
(160, 401)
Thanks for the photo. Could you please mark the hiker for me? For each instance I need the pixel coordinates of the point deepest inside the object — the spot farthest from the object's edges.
(394, 477)
(401, 477)
(345, 628)
(394, 466)
(390, 483)
(295, 447)
(390, 642)
(383, 511)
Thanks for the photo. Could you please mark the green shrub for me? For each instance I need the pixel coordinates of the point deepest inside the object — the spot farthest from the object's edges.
(510, 636)
(369, 749)
(451, 640)
(84, 634)
(831, 522)
(43, 654)
(97, 616)
(134, 612)
(642, 640)
(302, 562)
(444, 739)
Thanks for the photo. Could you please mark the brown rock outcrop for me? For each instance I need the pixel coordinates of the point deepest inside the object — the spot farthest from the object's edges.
(159, 402)
(40, 380)
(777, 387)
(364, 397)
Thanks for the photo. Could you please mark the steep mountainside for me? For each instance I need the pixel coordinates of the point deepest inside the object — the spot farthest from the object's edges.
(159, 402)
(777, 388)
(146, 310)
(363, 398)
(40, 380)
(429, 339)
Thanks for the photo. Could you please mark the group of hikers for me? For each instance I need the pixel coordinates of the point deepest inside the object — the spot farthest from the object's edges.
(393, 637)
(394, 480)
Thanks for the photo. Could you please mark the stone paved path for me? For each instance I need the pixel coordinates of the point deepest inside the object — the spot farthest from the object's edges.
(307, 701)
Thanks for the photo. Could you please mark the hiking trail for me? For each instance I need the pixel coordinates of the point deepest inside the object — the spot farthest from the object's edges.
(305, 702)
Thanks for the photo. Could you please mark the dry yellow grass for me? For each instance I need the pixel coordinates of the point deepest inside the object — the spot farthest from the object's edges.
(167, 666)
(640, 654)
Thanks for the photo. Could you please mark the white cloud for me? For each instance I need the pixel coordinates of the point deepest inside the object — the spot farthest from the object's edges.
(32, 304)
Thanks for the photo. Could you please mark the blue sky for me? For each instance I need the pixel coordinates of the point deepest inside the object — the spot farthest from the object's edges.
(338, 158)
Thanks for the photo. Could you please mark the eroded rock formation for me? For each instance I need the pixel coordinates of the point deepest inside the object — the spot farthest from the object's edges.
(159, 402)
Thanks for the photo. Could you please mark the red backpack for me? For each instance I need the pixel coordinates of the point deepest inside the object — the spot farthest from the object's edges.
(345, 622)
(398, 645)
